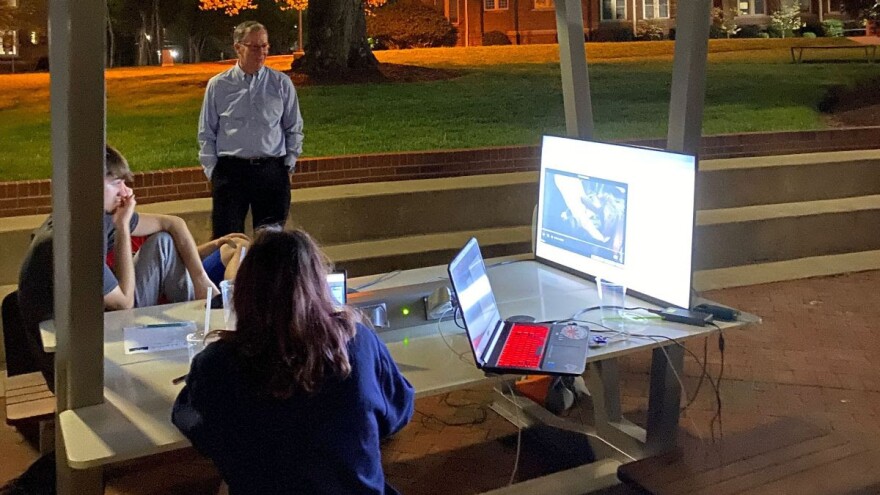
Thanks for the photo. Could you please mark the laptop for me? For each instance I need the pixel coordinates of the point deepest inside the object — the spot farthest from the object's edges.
(338, 287)
(511, 347)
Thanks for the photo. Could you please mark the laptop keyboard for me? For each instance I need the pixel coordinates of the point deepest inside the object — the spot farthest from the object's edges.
(524, 346)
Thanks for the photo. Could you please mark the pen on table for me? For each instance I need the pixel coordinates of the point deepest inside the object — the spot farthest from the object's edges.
(207, 314)
(165, 325)
(179, 379)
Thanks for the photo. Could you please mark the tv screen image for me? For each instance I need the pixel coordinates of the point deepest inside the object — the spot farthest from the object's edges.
(618, 212)
(585, 215)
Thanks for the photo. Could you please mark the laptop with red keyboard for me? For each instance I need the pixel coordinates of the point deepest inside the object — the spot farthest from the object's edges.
(511, 347)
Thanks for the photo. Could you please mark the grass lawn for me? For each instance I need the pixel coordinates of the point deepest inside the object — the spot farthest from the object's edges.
(505, 96)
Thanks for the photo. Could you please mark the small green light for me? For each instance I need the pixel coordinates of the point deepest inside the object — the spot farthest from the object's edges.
(405, 311)
(405, 341)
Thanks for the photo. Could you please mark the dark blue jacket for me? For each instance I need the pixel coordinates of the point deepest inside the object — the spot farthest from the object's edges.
(325, 443)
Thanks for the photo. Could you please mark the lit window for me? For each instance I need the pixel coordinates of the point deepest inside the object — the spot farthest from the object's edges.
(752, 7)
(8, 43)
(544, 4)
(452, 11)
(34, 37)
(495, 4)
(613, 10)
(656, 9)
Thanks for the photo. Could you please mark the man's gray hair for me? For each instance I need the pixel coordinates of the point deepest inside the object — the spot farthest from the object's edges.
(246, 28)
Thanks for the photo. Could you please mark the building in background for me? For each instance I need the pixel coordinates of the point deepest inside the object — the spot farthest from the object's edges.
(481, 22)
(24, 44)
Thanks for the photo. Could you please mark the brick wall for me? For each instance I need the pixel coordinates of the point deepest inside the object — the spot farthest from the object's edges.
(34, 197)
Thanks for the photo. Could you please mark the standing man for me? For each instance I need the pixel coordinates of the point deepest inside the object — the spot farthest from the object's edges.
(250, 135)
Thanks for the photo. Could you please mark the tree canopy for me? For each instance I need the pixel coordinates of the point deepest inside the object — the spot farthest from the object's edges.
(337, 44)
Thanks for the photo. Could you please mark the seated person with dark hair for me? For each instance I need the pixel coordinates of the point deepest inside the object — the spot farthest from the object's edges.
(297, 398)
(166, 267)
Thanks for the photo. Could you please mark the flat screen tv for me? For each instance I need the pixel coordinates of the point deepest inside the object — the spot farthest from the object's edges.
(618, 212)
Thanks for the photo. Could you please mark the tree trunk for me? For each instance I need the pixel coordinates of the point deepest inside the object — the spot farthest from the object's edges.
(111, 40)
(195, 44)
(337, 46)
(145, 42)
(143, 55)
(158, 36)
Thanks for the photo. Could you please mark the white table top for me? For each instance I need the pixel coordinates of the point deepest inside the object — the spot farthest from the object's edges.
(135, 419)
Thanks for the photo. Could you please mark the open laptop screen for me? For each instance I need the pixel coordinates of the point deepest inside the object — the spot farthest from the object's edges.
(467, 272)
(337, 283)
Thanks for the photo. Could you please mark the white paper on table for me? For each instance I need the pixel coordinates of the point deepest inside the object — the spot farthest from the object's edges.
(157, 337)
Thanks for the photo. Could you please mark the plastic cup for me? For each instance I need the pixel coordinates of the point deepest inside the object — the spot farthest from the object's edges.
(196, 343)
(612, 300)
(227, 288)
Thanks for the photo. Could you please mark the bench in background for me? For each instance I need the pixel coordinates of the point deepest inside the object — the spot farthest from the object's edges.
(797, 52)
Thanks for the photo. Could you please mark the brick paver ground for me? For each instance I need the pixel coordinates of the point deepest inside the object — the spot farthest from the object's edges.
(816, 356)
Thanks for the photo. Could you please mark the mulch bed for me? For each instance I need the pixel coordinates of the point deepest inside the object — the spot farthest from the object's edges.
(853, 106)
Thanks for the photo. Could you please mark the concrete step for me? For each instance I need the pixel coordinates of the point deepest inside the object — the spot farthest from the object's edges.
(758, 210)
(736, 182)
(763, 273)
(370, 212)
(750, 235)
(362, 218)
(403, 253)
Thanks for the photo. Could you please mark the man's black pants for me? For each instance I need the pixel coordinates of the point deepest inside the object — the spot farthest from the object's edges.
(263, 185)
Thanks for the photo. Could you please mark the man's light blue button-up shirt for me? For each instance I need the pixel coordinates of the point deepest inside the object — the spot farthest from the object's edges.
(250, 117)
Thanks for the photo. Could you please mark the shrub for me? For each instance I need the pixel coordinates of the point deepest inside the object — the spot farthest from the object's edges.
(777, 32)
(494, 38)
(812, 27)
(725, 22)
(763, 35)
(833, 28)
(409, 24)
(786, 21)
(808, 34)
(649, 31)
(750, 31)
(612, 34)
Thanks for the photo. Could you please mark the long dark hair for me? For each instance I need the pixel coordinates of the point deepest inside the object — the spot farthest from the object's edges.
(290, 335)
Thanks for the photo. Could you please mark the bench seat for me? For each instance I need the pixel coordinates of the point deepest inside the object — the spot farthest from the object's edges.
(28, 399)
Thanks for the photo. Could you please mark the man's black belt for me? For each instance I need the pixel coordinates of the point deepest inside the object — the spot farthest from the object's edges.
(265, 160)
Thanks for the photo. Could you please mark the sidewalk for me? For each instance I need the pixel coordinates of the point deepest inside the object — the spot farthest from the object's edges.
(816, 357)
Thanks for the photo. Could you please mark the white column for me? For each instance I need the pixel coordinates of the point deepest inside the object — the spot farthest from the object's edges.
(573, 63)
(467, 26)
(689, 76)
(635, 21)
(76, 54)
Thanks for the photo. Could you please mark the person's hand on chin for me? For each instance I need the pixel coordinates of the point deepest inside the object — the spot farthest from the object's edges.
(124, 210)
